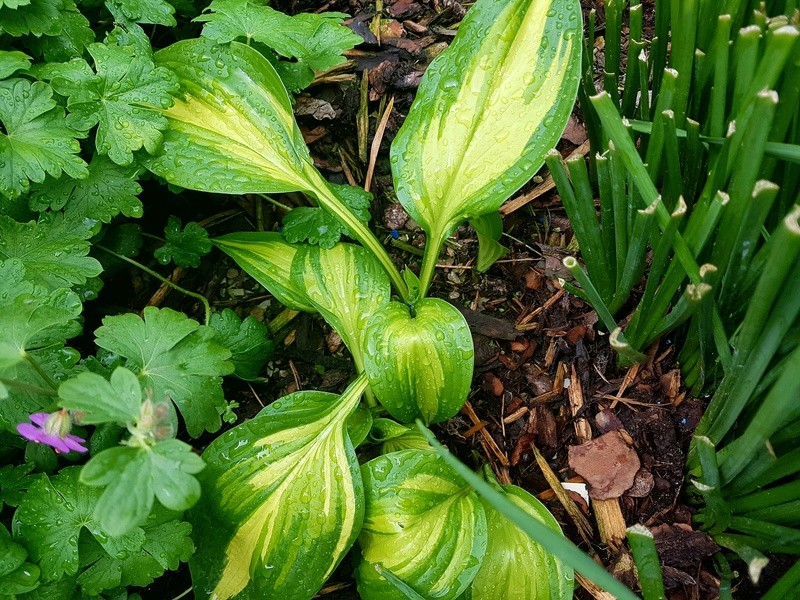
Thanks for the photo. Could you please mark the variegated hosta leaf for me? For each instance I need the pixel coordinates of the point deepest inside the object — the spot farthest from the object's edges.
(423, 523)
(420, 367)
(515, 567)
(346, 285)
(267, 258)
(487, 110)
(231, 129)
(282, 500)
(393, 436)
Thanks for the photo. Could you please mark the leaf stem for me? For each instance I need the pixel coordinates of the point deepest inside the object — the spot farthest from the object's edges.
(27, 387)
(42, 373)
(162, 279)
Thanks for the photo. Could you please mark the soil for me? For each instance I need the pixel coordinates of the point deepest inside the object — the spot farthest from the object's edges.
(546, 380)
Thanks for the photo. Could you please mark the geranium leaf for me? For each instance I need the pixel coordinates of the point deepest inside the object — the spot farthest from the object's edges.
(155, 12)
(53, 251)
(487, 111)
(248, 340)
(124, 99)
(185, 246)
(37, 17)
(346, 285)
(101, 401)
(267, 258)
(12, 61)
(109, 190)
(317, 226)
(423, 523)
(251, 538)
(14, 481)
(317, 40)
(35, 140)
(74, 36)
(176, 358)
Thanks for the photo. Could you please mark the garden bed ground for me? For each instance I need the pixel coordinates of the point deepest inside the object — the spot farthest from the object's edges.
(545, 377)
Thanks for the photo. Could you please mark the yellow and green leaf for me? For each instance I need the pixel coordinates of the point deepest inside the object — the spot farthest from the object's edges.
(267, 258)
(487, 111)
(423, 523)
(515, 567)
(346, 285)
(419, 360)
(231, 128)
(282, 501)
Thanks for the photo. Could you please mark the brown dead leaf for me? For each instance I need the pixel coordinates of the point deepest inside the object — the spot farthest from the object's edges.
(607, 463)
(575, 133)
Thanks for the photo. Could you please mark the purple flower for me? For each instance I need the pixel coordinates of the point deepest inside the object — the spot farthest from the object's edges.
(53, 430)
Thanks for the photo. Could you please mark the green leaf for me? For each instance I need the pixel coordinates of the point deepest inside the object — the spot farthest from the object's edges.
(419, 363)
(231, 130)
(346, 285)
(125, 99)
(489, 228)
(267, 258)
(282, 500)
(185, 247)
(37, 17)
(31, 322)
(16, 575)
(109, 190)
(35, 140)
(423, 523)
(14, 3)
(506, 571)
(74, 36)
(101, 401)
(176, 358)
(12, 61)
(487, 111)
(248, 340)
(317, 226)
(14, 481)
(134, 476)
(393, 436)
(53, 251)
(317, 40)
(155, 12)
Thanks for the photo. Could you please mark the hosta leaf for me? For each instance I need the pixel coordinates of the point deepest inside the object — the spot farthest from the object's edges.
(420, 365)
(489, 228)
(184, 246)
(393, 436)
(177, 358)
(317, 40)
(423, 523)
(282, 500)
(231, 130)
(248, 340)
(35, 140)
(487, 111)
(267, 258)
(515, 567)
(53, 251)
(108, 191)
(346, 285)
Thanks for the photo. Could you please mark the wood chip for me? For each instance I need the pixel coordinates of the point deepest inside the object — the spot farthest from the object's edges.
(607, 463)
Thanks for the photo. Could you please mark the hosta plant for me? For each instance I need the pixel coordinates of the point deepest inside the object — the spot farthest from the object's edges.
(504, 90)
(275, 504)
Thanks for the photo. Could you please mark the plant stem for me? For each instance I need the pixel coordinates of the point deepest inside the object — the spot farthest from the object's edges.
(42, 373)
(162, 279)
(26, 387)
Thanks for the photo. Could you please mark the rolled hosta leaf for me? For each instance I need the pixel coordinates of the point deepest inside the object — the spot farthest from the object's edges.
(419, 366)
(346, 285)
(487, 111)
(423, 523)
(282, 500)
(515, 567)
(267, 258)
(231, 129)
